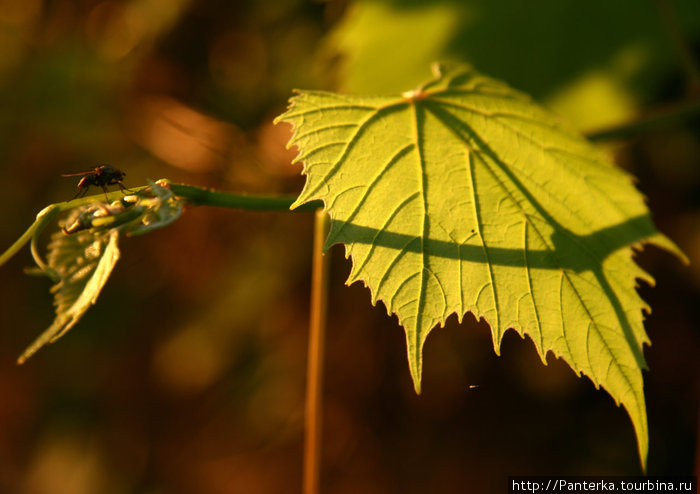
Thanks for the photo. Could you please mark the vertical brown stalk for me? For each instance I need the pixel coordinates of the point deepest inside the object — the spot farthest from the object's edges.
(314, 370)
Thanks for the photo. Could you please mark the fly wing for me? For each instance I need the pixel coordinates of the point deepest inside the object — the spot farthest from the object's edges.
(78, 174)
(97, 171)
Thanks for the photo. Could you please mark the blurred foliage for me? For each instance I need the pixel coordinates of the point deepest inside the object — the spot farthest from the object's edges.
(187, 376)
(594, 62)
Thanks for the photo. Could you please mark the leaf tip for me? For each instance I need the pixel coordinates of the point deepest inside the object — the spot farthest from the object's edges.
(643, 450)
(416, 386)
(643, 461)
(31, 350)
(415, 364)
(663, 242)
(300, 201)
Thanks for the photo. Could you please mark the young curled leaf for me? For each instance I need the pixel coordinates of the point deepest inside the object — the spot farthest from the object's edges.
(100, 217)
(162, 209)
(82, 255)
(151, 208)
(82, 262)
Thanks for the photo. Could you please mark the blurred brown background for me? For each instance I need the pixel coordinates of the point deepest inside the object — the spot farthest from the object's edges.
(188, 374)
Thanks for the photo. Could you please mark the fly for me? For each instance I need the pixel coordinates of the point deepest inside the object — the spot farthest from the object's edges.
(101, 176)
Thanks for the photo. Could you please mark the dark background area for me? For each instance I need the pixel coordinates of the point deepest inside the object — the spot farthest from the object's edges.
(188, 374)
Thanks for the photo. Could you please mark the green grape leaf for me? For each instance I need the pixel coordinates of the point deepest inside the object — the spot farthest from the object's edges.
(82, 262)
(466, 196)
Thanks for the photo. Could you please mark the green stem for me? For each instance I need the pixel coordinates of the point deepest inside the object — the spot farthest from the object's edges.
(208, 197)
(314, 369)
(42, 219)
(673, 114)
(199, 196)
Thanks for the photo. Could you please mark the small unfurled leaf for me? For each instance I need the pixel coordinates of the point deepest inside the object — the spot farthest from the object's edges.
(465, 196)
(163, 208)
(83, 262)
(82, 255)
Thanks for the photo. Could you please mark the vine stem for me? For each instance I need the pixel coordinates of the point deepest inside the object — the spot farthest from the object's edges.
(314, 369)
(198, 196)
(42, 219)
(660, 117)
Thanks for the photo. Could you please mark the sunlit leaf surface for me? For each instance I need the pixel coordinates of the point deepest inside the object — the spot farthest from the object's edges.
(465, 196)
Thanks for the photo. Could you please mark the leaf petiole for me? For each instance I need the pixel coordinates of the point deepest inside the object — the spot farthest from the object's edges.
(198, 196)
(42, 219)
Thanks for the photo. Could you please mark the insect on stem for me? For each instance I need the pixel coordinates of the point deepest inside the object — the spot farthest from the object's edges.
(101, 176)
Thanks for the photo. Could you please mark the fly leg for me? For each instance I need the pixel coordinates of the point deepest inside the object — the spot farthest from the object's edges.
(124, 188)
(81, 192)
